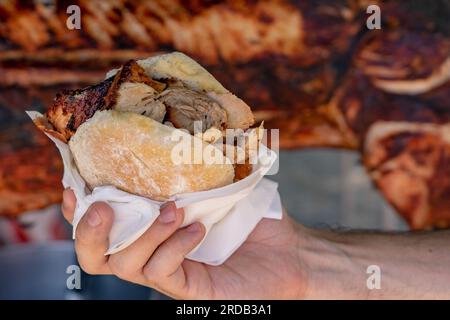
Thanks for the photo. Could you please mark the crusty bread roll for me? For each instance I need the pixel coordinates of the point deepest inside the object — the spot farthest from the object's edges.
(133, 153)
(181, 67)
(115, 134)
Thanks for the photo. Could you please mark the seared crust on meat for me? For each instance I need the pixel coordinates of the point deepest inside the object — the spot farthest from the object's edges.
(130, 72)
(197, 97)
(72, 108)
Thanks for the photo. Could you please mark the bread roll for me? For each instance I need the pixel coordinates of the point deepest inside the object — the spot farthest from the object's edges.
(134, 153)
(179, 66)
(115, 140)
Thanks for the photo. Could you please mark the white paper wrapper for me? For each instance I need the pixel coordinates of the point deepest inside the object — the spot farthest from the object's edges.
(229, 213)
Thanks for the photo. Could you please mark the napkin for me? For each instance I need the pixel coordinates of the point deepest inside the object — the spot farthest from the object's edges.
(229, 213)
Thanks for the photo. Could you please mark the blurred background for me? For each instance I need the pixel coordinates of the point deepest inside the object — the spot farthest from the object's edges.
(314, 69)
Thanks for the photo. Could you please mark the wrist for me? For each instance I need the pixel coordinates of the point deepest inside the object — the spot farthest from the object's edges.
(328, 268)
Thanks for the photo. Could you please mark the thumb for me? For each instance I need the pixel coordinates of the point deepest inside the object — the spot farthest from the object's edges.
(91, 239)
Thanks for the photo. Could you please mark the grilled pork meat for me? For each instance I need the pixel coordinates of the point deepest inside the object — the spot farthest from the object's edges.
(187, 106)
(130, 89)
(404, 62)
(71, 108)
(233, 31)
(140, 98)
(410, 163)
(30, 167)
(404, 137)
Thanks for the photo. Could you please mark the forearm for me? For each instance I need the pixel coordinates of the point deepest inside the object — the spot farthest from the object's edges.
(412, 265)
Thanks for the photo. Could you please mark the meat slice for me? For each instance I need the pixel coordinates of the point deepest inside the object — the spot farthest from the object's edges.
(140, 98)
(185, 107)
(133, 91)
(71, 108)
(404, 62)
(410, 163)
(393, 103)
(359, 104)
(30, 167)
(239, 114)
(130, 72)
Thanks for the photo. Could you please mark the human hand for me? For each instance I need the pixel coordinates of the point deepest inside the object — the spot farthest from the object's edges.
(266, 266)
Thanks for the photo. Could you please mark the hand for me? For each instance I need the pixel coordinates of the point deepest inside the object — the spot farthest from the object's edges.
(266, 266)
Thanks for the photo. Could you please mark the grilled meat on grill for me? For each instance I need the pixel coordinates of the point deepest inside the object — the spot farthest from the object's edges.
(404, 137)
(410, 163)
(310, 68)
(404, 62)
(30, 167)
(212, 32)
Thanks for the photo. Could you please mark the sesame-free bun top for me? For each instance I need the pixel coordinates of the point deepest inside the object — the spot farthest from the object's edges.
(179, 66)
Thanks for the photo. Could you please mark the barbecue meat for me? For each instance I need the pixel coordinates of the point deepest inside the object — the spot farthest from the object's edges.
(230, 30)
(239, 114)
(140, 98)
(404, 136)
(404, 62)
(30, 167)
(310, 68)
(410, 163)
(213, 32)
(132, 90)
(71, 108)
(129, 90)
(186, 107)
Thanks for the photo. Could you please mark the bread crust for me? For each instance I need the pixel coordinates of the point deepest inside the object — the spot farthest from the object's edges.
(134, 153)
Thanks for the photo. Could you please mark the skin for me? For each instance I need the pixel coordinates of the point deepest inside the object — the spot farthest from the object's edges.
(280, 260)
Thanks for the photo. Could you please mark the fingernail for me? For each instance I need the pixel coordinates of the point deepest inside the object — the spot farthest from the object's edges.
(93, 218)
(193, 228)
(168, 214)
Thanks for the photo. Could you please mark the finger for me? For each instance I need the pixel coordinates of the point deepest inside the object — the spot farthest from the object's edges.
(164, 269)
(91, 239)
(68, 204)
(128, 263)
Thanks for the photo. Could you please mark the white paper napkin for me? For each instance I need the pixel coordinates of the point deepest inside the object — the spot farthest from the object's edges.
(229, 213)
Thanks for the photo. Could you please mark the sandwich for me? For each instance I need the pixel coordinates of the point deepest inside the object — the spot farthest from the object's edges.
(124, 131)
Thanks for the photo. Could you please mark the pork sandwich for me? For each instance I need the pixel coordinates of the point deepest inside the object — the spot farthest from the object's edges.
(120, 131)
